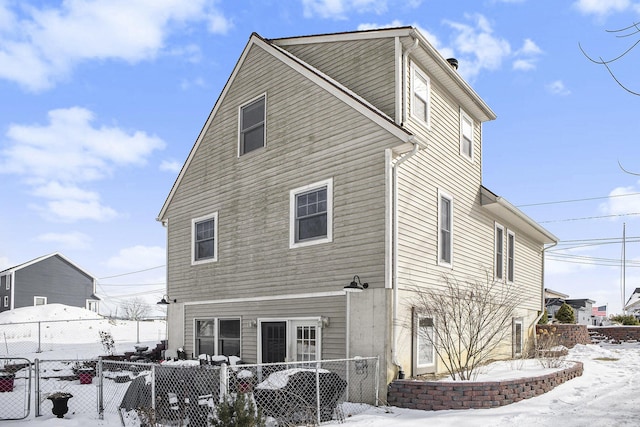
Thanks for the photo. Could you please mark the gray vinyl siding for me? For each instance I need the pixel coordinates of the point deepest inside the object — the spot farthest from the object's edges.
(311, 136)
(333, 337)
(364, 66)
(55, 279)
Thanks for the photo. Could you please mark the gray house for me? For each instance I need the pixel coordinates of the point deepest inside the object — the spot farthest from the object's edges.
(48, 279)
(329, 162)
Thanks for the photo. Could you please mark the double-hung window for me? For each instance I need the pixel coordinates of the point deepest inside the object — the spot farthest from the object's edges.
(445, 229)
(498, 267)
(466, 135)
(511, 242)
(252, 125)
(204, 232)
(217, 337)
(420, 88)
(311, 214)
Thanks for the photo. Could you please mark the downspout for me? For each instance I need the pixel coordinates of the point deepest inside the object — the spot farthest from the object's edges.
(396, 166)
(535, 322)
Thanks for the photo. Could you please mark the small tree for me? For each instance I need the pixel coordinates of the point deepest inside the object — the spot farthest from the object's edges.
(545, 318)
(565, 314)
(471, 319)
(135, 309)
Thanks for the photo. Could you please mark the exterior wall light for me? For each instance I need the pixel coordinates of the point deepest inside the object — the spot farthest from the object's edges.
(356, 285)
(165, 300)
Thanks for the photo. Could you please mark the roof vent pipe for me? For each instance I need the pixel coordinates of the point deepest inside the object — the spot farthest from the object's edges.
(453, 62)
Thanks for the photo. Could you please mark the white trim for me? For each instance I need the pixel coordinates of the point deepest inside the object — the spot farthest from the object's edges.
(194, 221)
(518, 321)
(497, 227)
(465, 117)
(290, 322)
(444, 195)
(35, 297)
(264, 123)
(328, 183)
(510, 247)
(425, 366)
(216, 333)
(270, 298)
(417, 72)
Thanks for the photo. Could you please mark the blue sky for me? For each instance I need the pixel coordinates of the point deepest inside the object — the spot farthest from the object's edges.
(102, 101)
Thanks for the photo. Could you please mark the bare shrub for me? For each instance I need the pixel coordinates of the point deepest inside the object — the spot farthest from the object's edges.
(471, 319)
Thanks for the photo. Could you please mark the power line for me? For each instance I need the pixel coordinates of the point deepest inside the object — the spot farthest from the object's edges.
(588, 218)
(586, 199)
(133, 272)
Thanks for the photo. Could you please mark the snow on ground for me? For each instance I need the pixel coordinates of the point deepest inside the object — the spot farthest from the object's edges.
(607, 394)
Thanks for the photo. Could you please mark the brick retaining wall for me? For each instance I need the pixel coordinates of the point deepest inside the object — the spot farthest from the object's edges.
(570, 334)
(619, 333)
(438, 395)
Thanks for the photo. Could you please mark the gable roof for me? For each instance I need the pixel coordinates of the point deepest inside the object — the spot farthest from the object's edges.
(42, 258)
(438, 66)
(330, 85)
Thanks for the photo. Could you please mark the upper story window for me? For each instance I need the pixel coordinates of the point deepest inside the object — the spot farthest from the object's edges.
(252, 129)
(311, 214)
(466, 135)
(445, 229)
(511, 243)
(498, 268)
(204, 232)
(420, 88)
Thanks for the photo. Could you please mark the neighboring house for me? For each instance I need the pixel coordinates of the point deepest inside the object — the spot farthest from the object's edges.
(325, 158)
(582, 308)
(45, 280)
(633, 303)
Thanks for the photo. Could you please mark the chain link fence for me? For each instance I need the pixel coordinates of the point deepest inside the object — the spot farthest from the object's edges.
(25, 338)
(284, 394)
(177, 393)
(15, 388)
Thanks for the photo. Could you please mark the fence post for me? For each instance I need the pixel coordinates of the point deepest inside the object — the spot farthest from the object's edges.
(39, 350)
(36, 392)
(377, 379)
(153, 388)
(318, 392)
(100, 390)
(137, 331)
(224, 381)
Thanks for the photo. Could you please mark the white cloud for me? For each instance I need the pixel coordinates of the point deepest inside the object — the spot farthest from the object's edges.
(372, 26)
(5, 263)
(198, 82)
(170, 166)
(529, 47)
(619, 203)
(75, 240)
(557, 87)
(602, 7)
(138, 258)
(338, 9)
(54, 159)
(477, 47)
(527, 56)
(49, 42)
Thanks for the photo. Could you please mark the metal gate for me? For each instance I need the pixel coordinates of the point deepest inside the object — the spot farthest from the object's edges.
(15, 388)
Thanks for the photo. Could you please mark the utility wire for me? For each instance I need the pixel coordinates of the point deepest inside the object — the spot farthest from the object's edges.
(133, 272)
(586, 199)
